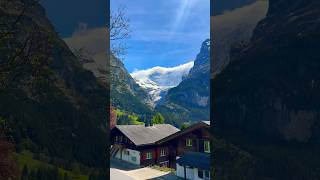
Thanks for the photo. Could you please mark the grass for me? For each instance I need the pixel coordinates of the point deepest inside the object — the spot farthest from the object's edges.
(164, 169)
(26, 158)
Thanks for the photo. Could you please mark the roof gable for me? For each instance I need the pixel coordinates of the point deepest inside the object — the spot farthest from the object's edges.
(199, 125)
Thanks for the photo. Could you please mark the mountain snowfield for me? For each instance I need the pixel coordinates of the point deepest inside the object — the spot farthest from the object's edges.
(158, 80)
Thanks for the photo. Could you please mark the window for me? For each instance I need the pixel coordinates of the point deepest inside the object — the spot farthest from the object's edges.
(207, 175)
(162, 152)
(127, 153)
(116, 138)
(188, 142)
(134, 159)
(120, 138)
(206, 145)
(149, 155)
(200, 174)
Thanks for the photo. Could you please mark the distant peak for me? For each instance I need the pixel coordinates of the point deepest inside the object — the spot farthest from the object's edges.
(157, 80)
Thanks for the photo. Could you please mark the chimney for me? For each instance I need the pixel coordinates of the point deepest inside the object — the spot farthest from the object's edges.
(147, 121)
(150, 121)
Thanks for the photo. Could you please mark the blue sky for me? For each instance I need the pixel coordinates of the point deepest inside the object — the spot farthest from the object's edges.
(165, 33)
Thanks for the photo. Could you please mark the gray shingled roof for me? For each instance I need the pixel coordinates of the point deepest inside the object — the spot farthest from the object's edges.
(142, 135)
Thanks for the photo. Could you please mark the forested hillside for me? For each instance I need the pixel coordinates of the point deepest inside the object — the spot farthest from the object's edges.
(126, 94)
(52, 105)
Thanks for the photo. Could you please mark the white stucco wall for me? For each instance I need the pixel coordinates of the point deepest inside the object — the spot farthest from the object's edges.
(189, 172)
(196, 174)
(192, 174)
(129, 158)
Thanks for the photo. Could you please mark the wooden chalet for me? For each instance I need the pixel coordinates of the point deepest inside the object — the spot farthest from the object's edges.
(137, 144)
(187, 151)
(190, 151)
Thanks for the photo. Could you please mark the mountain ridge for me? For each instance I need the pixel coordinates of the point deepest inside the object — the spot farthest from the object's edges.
(189, 101)
(126, 94)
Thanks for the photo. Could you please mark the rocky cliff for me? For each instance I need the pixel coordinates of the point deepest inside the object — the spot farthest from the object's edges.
(271, 84)
(234, 28)
(266, 99)
(126, 94)
(189, 101)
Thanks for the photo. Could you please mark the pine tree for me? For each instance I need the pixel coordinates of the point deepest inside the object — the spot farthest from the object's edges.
(158, 119)
(184, 126)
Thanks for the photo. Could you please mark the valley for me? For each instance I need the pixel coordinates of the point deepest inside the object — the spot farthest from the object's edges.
(182, 93)
(155, 89)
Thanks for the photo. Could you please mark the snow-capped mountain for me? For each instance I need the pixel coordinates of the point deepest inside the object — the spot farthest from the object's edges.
(158, 80)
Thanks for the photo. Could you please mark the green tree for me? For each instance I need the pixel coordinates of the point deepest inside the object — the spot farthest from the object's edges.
(184, 126)
(158, 119)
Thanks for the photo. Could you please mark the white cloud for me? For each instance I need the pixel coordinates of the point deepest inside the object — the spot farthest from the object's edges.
(158, 80)
(164, 76)
(93, 40)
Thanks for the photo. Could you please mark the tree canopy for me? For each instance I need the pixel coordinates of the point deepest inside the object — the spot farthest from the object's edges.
(158, 119)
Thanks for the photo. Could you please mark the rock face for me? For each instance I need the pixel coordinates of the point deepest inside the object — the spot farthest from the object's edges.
(190, 101)
(272, 84)
(126, 94)
(53, 105)
(266, 101)
(232, 29)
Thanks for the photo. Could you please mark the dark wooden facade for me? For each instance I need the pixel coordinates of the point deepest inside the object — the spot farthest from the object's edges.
(157, 157)
(197, 137)
(159, 153)
(177, 143)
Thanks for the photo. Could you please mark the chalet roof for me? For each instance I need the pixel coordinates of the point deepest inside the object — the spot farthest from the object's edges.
(201, 124)
(195, 159)
(142, 135)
